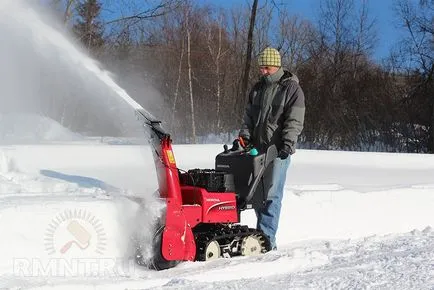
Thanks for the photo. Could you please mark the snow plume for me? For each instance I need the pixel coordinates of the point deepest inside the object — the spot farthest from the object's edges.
(44, 71)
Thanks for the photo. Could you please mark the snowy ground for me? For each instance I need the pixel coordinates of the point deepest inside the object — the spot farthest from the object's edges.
(349, 221)
(69, 205)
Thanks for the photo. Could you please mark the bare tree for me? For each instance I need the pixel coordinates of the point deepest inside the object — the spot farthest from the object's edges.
(417, 58)
(216, 43)
(146, 12)
(248, 61)
(178, 80)
(263, 27)
(65, 7)
(365, 36)
(293, 40)
(88, 27)
(190, 84)
(339, 53)
(237, 34)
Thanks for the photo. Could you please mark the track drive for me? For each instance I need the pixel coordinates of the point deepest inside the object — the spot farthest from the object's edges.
(218, 240)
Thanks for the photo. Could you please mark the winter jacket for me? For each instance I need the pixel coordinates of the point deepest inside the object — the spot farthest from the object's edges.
(275, 112)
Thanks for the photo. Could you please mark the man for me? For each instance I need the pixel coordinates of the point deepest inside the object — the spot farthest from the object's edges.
(274, 115)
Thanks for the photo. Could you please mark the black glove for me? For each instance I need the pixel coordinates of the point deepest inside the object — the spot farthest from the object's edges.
(283, 154)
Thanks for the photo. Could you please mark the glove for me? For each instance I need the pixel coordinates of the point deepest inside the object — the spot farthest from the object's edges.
(283, 154)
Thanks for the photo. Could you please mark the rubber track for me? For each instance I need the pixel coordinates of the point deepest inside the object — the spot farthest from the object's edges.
(225, 234)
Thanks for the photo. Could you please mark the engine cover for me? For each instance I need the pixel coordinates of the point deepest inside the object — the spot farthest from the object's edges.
(209, 179)
(245, 168)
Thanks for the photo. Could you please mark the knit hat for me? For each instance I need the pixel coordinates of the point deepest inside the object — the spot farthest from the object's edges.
(269, 57)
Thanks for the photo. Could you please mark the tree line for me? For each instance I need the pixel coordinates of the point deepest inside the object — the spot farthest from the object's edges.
(201, 59)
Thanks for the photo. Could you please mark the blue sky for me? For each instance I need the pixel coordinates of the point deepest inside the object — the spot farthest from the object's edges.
(380, 10)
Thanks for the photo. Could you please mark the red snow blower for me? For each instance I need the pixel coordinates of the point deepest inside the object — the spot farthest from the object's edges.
(203, 206)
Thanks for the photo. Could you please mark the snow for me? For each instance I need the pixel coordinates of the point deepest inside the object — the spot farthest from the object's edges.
(356, 231)
(31, 128)
(72, 206)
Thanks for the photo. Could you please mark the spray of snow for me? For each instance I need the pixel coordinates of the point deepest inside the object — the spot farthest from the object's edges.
(44, 72)
(140, 224)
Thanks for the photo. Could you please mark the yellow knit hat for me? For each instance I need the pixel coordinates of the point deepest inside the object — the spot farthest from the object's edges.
(270, 57)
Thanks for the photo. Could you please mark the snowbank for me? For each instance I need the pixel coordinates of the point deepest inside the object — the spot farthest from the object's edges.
(32, 129)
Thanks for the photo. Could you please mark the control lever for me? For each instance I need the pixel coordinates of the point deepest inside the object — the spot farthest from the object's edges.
(225, 148)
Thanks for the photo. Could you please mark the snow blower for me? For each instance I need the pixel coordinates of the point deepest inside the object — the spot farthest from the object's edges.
(203, 206)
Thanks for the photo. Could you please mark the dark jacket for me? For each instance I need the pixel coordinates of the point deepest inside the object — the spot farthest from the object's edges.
(275, 112)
